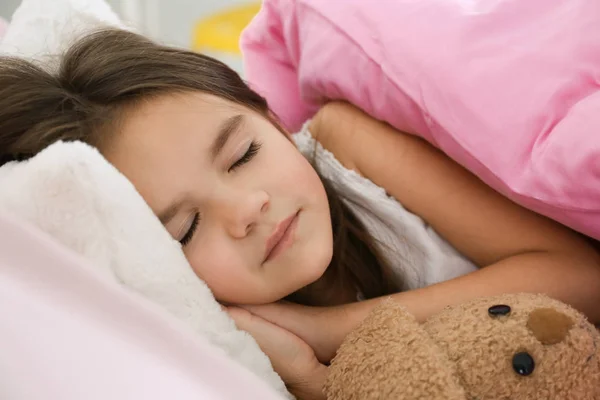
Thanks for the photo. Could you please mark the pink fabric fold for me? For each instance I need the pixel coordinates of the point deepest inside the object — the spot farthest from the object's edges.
(509, 89)
(69, 333)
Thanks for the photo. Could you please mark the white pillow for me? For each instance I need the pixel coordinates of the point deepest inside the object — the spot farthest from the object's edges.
(71, 192)
(40, 30)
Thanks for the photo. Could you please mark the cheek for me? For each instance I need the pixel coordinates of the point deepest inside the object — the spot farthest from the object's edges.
(218, 265)
(221, 268)
(305, 181)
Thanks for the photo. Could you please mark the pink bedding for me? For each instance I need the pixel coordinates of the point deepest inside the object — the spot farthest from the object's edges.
(70, 333)
(508, 88)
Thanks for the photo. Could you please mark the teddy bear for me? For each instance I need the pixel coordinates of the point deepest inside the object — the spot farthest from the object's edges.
(514, 346)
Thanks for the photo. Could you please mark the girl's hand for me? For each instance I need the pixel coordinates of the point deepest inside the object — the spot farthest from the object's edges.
(322, 328)
(291, 357)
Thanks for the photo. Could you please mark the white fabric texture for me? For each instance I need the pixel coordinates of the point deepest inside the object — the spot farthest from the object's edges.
(417, 254)
(71, 192)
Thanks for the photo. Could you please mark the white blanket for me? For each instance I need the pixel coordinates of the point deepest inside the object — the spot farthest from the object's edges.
(71, 192)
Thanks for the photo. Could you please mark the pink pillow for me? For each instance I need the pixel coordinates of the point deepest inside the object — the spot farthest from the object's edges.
(509, 89)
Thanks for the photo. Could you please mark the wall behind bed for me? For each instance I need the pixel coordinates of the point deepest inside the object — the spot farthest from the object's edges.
(8, 7)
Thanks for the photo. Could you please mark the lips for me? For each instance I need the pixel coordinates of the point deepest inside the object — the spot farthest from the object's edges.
(280, 237)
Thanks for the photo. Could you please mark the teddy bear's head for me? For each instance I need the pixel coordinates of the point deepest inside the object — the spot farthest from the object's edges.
(520, 346)
(517, 346)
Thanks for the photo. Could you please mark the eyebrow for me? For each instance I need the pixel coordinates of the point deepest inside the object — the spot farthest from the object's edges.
(168, 214)
(226, 130)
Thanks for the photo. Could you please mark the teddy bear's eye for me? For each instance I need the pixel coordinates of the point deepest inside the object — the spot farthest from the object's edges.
(499, 310)
(523, 363)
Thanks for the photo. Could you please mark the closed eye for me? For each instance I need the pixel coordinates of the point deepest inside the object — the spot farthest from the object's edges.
(185, 240)
(248, 155)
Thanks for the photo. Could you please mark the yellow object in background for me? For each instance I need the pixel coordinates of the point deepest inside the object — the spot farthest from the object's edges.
(220, 33)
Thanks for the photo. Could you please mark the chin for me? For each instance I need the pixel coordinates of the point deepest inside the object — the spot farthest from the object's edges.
(310, 263)
(317, 265)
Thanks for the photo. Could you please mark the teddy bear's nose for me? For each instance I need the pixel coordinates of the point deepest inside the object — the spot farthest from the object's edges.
(548, 325)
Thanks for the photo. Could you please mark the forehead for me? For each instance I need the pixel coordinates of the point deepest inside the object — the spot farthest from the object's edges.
(180, 110)
(158, 128)
(163, 142)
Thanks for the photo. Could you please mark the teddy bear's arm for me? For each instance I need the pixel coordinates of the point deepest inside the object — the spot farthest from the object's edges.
(390, 356)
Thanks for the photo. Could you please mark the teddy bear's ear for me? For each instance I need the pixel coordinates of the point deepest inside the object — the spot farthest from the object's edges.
(390, 356)
(549, 326)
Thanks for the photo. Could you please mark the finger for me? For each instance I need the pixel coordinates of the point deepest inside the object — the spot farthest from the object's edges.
(273, 340)
(303, 321)
(280, 314)
(322, 328)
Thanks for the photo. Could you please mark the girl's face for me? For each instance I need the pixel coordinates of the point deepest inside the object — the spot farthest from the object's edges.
(248, 208)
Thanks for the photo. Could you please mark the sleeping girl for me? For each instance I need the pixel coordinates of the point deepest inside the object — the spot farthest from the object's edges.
(299, 236)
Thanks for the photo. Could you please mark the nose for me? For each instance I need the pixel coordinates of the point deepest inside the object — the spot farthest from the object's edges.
(241, 211)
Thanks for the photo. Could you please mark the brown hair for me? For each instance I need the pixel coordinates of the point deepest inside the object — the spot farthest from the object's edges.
(108, 71)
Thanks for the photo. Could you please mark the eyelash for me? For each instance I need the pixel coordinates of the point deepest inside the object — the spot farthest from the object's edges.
(249, 155)
(185, 240)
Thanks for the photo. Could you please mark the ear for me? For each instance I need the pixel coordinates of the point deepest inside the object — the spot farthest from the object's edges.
(391, 356)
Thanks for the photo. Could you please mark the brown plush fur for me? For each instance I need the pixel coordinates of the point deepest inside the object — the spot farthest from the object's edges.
(465, 354)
